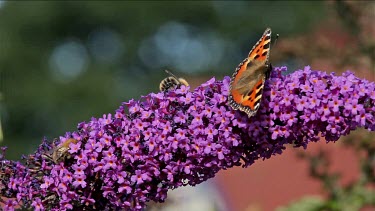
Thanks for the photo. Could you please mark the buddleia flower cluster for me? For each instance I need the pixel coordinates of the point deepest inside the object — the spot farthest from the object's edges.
(180, 137)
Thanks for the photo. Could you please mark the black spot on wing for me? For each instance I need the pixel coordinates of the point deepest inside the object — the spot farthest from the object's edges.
(256, 56)
(258, 93)
(250, 93)
(259, 85)
(266, 46)
(264, 53)
(256, 102)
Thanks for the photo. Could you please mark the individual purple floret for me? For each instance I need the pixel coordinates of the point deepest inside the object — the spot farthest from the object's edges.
(176, 138)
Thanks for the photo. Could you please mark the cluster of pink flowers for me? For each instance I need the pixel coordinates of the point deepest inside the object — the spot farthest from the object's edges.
(181, 137)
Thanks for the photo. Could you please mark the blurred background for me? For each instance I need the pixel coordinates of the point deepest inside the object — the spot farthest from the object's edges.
(62, 63)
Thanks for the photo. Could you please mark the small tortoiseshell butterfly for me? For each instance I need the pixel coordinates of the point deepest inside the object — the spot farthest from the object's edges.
(171, 82)
(246, 85)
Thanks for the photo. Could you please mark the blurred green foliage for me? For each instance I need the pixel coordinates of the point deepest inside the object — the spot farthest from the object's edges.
(37, 103)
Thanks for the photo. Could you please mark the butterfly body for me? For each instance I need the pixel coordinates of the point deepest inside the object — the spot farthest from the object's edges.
(171, 82)
(247, 82)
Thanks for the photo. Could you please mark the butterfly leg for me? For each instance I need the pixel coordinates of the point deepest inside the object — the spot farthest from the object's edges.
(268, 70)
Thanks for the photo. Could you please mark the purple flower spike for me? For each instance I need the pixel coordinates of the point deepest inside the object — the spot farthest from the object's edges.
(176, 138)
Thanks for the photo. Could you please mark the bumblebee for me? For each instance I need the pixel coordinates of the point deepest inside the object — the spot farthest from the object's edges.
(171, 82)
(60, 152)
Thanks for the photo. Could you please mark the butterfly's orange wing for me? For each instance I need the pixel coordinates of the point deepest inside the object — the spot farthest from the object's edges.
(247, 82)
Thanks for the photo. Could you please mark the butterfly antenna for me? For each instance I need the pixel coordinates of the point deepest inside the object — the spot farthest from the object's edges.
(274, 43)
(171, 74)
